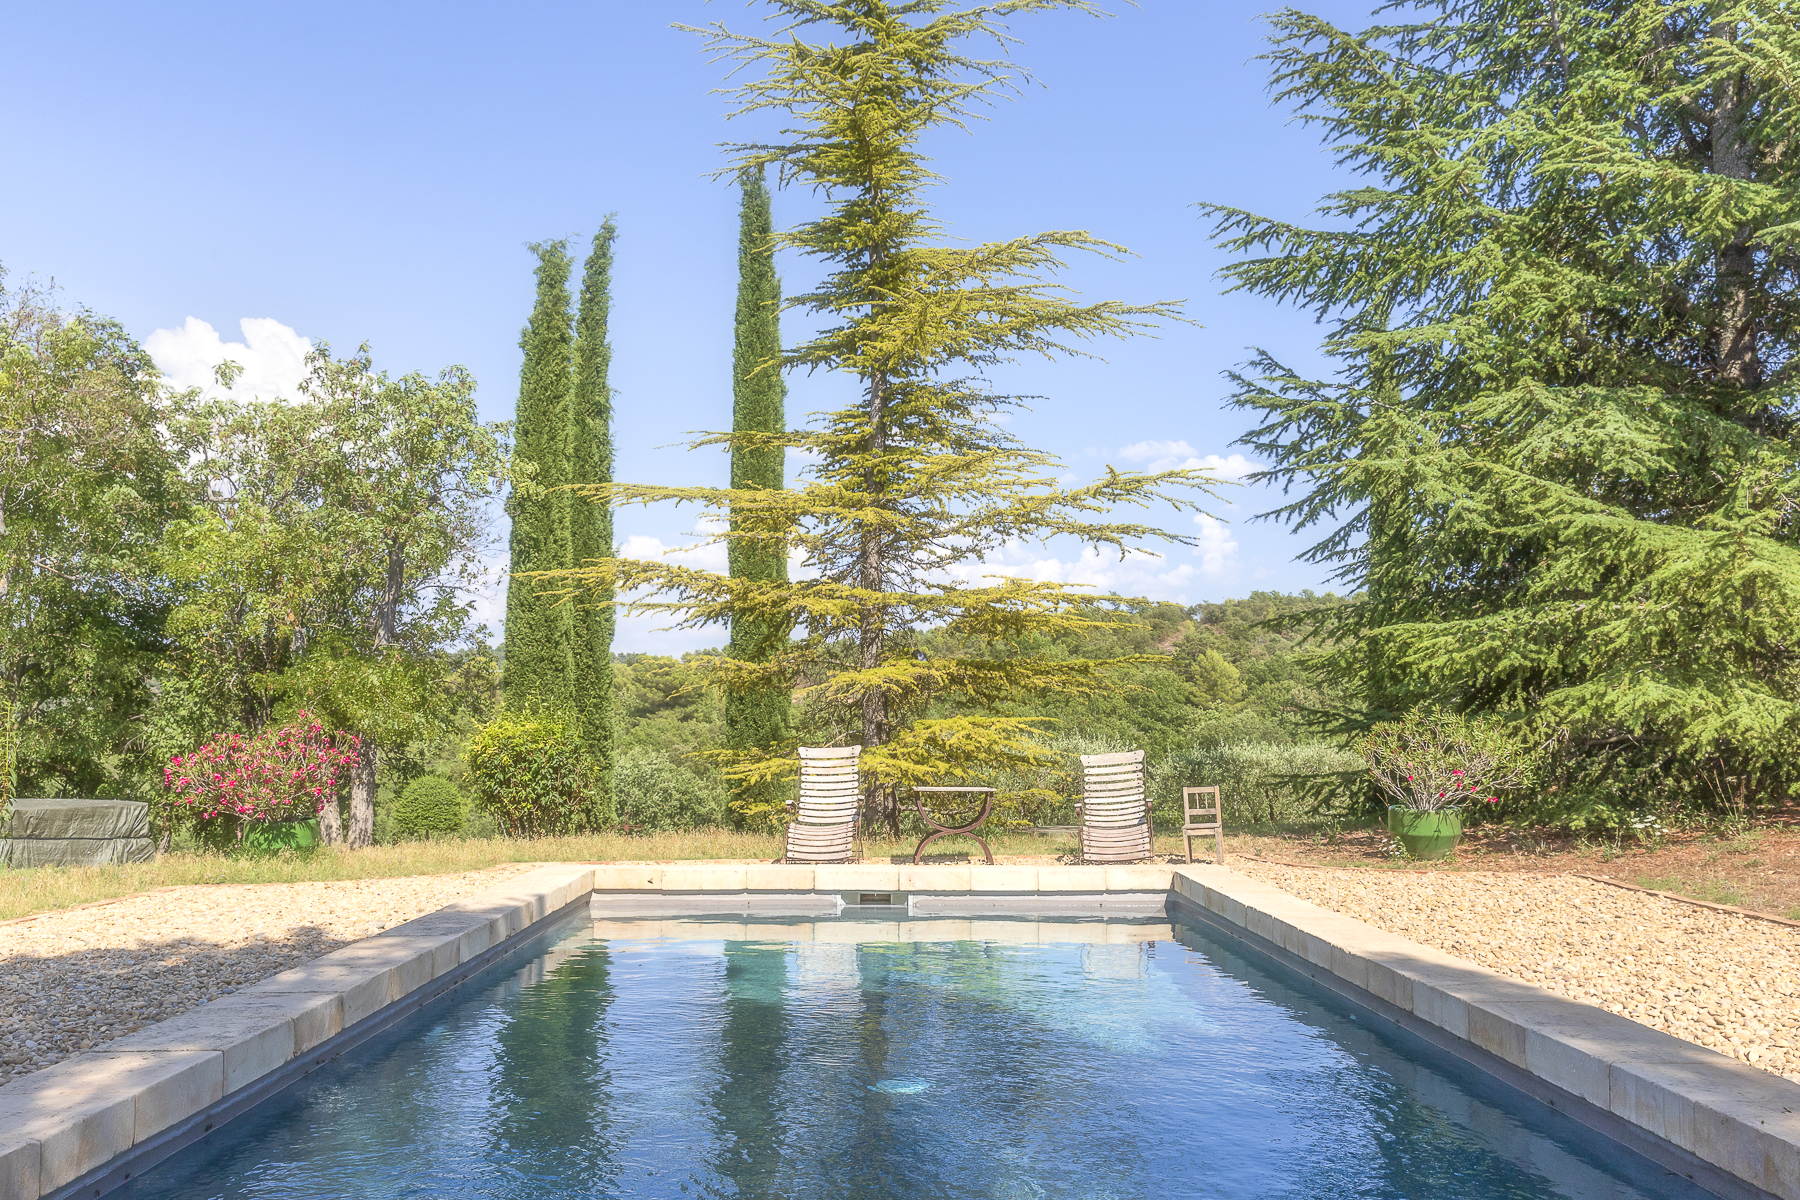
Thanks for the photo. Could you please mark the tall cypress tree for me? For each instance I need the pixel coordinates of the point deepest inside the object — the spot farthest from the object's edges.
(540, 632)
(591, 521)
(759, 716)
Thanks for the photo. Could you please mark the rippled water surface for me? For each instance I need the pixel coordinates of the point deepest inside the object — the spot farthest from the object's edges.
(1098, 1062)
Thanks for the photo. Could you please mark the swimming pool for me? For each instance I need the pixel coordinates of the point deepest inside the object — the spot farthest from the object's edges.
(1099, 1060)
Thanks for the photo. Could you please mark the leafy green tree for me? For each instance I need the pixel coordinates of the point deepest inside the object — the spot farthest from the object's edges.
(1561, 438)
(540, 629)
(87, 485)
(757, 718)
(1270, 640)
(414, 474)
(591, 524)
(656, 794)
(913, 477)
(331, 564)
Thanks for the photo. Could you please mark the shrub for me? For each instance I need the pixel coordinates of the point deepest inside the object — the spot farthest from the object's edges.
(281, 774)
(1259, 782)
(657, 794)
(529, 772)
(1435, 759)
(1044, 795)
(430, 804)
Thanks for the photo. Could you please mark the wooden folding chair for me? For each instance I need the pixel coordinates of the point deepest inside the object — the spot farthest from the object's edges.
(1194, 804)
(1113, 812)
(824, 828)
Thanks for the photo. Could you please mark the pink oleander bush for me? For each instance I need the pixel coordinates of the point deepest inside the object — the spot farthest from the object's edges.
(1435, 760)
(284, 774)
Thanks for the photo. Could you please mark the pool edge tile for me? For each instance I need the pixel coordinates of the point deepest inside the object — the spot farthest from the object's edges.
(21, 1158)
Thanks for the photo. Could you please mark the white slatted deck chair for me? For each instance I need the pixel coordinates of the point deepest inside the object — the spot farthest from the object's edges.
(824, 828)
(1114, 813)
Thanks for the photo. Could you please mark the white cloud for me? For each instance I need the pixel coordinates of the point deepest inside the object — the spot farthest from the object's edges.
(708, 556)
(1179, 456)
(1217, 550)
(272, 354)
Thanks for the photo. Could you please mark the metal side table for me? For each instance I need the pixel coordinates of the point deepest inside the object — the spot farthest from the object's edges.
(987, 807)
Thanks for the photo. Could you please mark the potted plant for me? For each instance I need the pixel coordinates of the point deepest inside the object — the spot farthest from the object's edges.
(1431, 766)
(269, 786)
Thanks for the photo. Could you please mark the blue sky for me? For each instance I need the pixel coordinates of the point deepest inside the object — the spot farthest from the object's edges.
(353, 173)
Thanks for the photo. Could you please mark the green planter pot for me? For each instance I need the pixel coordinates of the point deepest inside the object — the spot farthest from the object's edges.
(1425, 834)
(270, 836)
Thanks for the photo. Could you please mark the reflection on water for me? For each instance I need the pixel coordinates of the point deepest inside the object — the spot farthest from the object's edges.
(1082, 1059)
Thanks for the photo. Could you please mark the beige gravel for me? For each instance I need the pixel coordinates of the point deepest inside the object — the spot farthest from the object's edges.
(77, 978)
(1718, 979)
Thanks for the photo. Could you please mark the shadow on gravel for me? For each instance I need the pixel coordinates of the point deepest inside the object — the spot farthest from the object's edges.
(53, 1006)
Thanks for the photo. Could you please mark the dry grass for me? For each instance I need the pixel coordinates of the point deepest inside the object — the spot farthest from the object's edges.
(24, 892)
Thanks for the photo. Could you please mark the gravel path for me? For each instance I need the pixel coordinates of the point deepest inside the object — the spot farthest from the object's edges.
(1724, 981)
(73, 979)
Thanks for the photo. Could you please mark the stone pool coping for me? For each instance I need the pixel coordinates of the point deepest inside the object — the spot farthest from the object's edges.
(83, 1125)
(1682, 1105)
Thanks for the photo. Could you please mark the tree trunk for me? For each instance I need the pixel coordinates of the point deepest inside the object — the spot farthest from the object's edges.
(362, 780)
(878, 805)
(330, 831)
(362, 799)
(1739, 360)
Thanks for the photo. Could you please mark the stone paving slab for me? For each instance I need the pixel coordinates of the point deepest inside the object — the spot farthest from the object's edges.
(88, 1109)
(1724, 1112)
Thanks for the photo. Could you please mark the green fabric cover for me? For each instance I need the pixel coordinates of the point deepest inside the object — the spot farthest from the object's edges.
(80, 819)
(76, 852)
(77, 833)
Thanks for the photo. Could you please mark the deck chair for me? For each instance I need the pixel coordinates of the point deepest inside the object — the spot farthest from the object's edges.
(824, 828)
(1202, 813)
(1113, 812)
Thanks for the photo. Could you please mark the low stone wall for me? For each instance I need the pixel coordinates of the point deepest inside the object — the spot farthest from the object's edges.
(136, 1097)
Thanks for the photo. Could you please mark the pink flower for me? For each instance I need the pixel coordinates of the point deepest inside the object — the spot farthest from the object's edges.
(1456, 772)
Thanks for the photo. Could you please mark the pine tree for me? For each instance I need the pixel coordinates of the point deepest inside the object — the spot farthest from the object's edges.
(540, 632)
(591, 523)
(912, 476)
(1561, 441)
(760, 718)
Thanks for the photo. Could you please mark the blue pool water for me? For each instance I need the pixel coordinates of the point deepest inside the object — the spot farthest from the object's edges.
(803, 1064)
